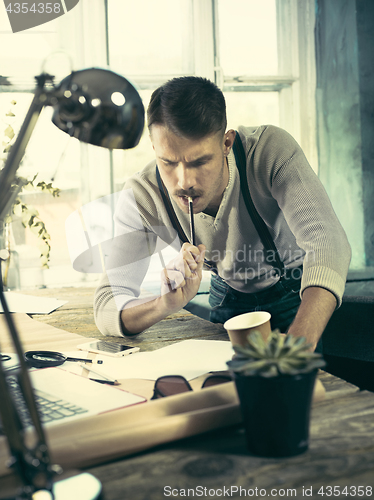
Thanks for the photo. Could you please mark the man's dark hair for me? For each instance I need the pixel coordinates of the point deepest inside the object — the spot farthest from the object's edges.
(190, 106)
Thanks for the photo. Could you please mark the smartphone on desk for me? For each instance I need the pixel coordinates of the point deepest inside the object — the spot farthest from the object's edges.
(108, 348)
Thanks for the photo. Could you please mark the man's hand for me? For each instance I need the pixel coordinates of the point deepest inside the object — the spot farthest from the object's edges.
(316, 308)
(181, 278)
(180, 281)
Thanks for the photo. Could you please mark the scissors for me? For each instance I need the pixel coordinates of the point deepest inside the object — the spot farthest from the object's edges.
(42, 359)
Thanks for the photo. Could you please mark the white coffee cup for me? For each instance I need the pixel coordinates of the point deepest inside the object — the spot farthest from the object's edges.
(240, 326)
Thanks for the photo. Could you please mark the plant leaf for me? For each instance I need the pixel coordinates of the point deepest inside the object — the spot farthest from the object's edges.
(9, 132)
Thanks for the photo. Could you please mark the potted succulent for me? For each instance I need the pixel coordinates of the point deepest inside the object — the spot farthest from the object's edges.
(275, 381)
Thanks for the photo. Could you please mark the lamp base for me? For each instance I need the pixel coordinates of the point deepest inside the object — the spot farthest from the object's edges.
(82, 486)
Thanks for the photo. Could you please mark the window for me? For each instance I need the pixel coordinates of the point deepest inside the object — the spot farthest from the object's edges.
(51, 154)
(265, 61)
(149, 40)
(261, 53)
(246, 49)
(248, 42)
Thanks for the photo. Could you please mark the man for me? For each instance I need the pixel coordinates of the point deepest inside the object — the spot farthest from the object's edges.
(194, 158)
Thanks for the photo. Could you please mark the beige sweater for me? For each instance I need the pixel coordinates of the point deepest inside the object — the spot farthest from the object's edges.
(287, 194)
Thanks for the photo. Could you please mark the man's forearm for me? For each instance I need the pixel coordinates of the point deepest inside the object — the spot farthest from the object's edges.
(142, 314)
(316, 308)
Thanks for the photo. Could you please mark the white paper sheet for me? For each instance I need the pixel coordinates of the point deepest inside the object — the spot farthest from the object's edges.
(95, 397)
(29, 304)
(190, 358)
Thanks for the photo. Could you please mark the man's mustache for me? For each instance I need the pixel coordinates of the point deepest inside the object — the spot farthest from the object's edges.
(191, 193)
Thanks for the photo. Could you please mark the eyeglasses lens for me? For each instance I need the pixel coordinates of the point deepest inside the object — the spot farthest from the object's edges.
(168, 386)
(216, 380)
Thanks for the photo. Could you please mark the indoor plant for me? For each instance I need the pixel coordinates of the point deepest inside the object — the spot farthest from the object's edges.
(275, 381)
(28, 214)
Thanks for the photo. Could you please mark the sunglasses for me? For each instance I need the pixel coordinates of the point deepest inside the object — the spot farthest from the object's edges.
(170, 385)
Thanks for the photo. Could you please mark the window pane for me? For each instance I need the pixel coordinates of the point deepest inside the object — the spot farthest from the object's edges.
(23, 53)
(248, 37)
(50, 154)
(151, 38)
(128, 162)
(252, 108)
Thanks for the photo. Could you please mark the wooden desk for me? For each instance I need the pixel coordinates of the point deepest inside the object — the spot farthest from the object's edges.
(341, 451)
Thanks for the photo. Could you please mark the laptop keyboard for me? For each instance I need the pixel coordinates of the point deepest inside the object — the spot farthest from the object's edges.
(49, 407)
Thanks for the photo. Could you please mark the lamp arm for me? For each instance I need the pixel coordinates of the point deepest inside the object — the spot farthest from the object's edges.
(98, 107)
(32, 463)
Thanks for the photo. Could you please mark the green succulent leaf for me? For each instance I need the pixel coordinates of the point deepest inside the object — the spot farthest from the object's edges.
(279, 355)
(247, 351)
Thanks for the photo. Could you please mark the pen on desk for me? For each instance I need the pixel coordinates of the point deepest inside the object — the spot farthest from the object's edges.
(109, 382)
(85, 360)
(108, 379)
(192, 223)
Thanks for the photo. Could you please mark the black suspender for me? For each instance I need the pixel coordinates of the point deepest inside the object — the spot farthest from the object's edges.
(169, 208)
(271, 253)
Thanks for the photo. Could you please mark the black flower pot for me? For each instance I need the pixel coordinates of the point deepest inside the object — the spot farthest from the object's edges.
(276, 412)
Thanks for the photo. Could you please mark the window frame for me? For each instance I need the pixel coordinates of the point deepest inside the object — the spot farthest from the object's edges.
(88, 46)
(296, 79)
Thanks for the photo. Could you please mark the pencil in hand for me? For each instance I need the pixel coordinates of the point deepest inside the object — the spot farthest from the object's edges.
(168, 281)
(192, 223)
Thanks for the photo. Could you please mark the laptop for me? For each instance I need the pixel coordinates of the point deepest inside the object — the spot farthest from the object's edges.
(62, 396)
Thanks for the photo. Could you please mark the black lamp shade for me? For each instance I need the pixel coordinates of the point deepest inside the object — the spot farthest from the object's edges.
(99, 107)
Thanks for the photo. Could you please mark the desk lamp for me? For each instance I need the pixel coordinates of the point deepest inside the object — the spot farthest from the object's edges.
(98, 107)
